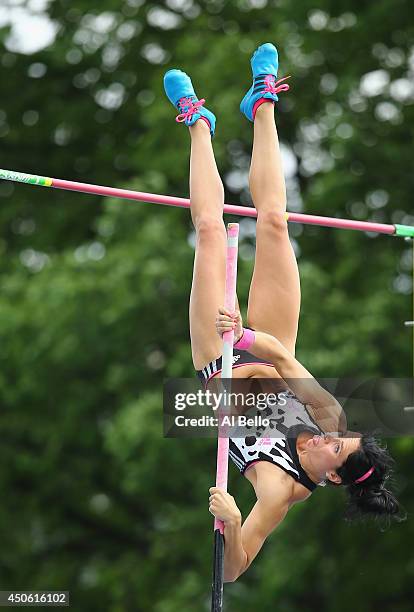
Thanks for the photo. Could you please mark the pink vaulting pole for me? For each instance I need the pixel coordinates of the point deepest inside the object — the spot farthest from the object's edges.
(228, 340)
(223, 438)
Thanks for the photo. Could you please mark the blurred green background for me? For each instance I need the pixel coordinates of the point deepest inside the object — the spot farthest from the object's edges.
(94, 292)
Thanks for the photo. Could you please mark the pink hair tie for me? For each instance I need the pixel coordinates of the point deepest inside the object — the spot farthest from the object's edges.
(246, 340)
(365, 476)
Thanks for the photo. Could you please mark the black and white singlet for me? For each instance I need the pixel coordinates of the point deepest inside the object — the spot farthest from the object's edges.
(240, 358)
(276, 443)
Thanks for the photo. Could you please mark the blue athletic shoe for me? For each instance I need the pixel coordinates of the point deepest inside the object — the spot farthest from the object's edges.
(181, 94)
(265, 63)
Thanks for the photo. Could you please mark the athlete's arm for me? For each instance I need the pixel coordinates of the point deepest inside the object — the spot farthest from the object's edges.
(326, 410)
(265, 516)
(242, 543)
(267, 513)
(223, 506)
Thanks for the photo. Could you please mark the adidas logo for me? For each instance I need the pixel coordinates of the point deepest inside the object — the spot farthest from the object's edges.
(235, 358)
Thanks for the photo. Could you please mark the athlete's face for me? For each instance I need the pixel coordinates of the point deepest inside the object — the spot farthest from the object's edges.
(327, 453)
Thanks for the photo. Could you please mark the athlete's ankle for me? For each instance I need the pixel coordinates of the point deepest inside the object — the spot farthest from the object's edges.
(201, 125)
(262, 107)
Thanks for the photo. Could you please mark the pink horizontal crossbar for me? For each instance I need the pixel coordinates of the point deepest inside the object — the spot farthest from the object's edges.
(242, 211)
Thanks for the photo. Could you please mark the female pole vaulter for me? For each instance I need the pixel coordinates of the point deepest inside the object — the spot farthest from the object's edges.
(283, 470)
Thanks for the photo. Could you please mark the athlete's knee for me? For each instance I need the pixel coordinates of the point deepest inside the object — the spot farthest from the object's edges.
(273, 221)
(209, 227)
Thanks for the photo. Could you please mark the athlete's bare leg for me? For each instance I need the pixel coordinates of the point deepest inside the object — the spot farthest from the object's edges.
(208, 287)
(274, 299)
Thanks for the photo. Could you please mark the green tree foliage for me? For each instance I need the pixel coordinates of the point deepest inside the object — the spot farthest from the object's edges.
(93, 303)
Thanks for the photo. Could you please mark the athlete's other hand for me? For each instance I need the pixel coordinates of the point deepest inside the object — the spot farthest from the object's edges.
(226, 321)
(222, 505)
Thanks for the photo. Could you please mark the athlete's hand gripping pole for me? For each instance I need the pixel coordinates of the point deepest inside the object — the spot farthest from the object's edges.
(223, 439)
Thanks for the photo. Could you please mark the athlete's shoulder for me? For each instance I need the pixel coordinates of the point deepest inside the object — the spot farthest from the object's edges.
(300, 493)
(273, 483)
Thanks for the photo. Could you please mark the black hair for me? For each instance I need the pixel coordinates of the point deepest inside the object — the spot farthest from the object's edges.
(370, 498)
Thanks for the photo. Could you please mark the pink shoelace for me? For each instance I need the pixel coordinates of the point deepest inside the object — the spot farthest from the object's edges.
(273, 86)
(191, 108)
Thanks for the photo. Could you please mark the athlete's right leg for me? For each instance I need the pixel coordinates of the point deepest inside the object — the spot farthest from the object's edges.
(274, 298)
